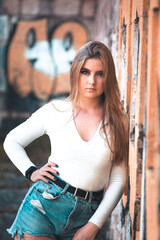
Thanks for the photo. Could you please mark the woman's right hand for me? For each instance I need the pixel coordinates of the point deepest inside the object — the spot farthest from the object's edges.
(43, 172)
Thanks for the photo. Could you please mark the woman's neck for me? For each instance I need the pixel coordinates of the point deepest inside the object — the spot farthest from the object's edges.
(89, 104)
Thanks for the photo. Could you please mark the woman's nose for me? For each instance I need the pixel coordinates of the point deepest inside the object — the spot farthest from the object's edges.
(91, 79)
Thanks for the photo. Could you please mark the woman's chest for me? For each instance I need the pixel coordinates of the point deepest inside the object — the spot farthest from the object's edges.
(67, 145)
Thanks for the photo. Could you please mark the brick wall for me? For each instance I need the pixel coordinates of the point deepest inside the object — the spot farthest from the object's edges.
(20, 92)
(29, 75)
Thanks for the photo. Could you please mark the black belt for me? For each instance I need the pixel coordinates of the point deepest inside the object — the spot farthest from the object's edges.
(77, 192)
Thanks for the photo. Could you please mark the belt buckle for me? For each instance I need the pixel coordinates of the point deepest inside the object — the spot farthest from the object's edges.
(75, 194)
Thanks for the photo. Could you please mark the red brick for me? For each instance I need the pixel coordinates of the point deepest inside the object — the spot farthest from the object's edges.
(11, 6)
(46, 7)
(30, 7)
(66, 8)
(88, 9)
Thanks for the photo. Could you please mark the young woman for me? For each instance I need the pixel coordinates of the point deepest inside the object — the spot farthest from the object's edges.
(88, 134)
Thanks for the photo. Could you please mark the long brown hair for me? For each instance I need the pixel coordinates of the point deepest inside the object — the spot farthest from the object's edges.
(114, 117)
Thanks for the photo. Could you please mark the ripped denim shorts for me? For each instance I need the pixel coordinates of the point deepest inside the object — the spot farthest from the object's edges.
(48, 210)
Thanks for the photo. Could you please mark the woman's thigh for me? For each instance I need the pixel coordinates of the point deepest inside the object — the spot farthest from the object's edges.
(31, 237)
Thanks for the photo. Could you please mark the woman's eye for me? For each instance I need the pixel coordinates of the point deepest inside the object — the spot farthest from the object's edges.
(101, 74)
(83, 71)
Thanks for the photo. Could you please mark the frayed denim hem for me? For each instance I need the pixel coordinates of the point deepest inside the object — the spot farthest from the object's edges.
(20, 232)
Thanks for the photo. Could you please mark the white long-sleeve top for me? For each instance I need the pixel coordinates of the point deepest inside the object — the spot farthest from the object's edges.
(85, 165)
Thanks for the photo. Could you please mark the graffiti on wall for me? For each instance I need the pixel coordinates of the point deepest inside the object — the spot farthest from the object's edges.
(39, 61)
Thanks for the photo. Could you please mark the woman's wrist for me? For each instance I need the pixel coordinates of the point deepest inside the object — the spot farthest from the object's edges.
(29, 172)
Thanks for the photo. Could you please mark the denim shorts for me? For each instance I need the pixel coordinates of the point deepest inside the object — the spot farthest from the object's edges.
(48, 210)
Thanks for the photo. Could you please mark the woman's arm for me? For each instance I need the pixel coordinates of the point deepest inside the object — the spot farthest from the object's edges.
(87, 232)
(114, 191)
(23, 135)
(111, 198)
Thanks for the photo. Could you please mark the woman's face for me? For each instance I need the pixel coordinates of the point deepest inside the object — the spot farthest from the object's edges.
(91, 79)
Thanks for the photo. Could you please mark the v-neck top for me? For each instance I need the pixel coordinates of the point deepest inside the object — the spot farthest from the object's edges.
(83, 164)
(93, 136)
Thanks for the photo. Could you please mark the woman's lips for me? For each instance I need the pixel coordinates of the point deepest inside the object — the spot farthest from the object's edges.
(91, 89)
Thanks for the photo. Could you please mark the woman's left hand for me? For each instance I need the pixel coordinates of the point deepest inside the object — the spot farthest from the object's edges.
(87, 232)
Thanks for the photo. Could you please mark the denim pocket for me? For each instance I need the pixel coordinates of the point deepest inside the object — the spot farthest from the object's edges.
(94, 206)
(48, 191)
